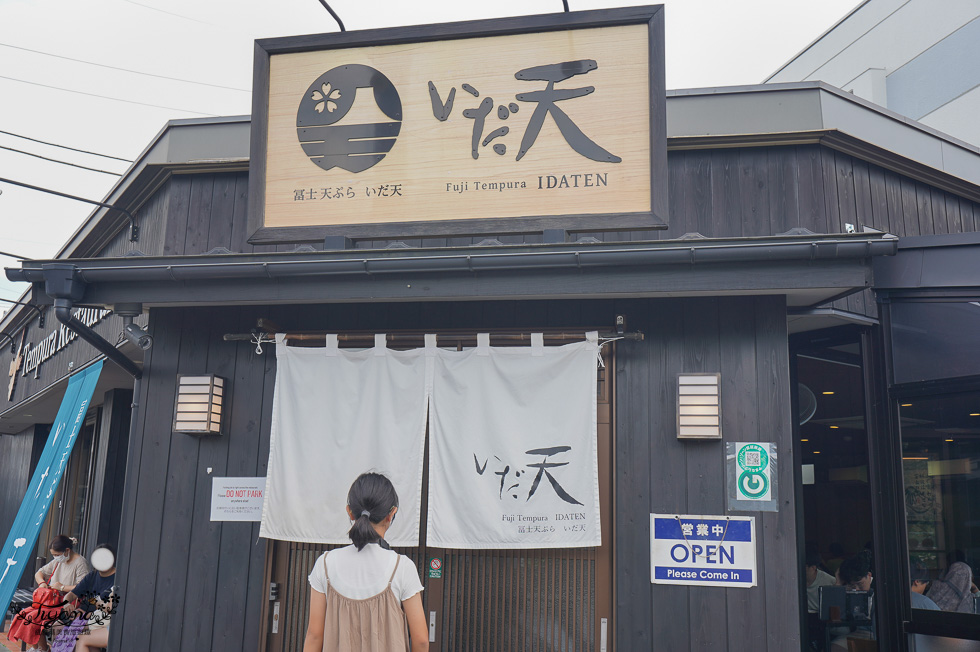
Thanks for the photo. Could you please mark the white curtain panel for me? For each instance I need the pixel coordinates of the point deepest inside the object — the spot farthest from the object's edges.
(338, 413)
(513, 461)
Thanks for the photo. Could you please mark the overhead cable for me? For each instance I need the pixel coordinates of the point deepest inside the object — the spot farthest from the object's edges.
(135, 72)
(54, 160)
(106, 97)
(16, 256)
(83, 151)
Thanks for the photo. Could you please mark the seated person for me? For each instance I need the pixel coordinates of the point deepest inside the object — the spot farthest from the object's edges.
(815, 578)
(952, 593)
(63, 572)
(67, 567)
(920, 584)
(855, 575)
(95, 591)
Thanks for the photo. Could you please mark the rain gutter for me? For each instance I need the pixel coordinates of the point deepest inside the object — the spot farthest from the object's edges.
(236, 266)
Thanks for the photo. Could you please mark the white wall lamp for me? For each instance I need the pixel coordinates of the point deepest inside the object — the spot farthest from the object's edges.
(197, 410)
(699, 406)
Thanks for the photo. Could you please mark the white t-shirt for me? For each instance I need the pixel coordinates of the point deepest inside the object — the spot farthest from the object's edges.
(813, 591)
(362, 574)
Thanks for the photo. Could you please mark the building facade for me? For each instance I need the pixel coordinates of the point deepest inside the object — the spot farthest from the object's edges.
(786, 204)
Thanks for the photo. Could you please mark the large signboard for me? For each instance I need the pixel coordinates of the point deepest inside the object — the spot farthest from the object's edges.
(703, 550)
(483, 127)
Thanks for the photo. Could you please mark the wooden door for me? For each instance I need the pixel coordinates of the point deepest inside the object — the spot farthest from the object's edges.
(550, 600)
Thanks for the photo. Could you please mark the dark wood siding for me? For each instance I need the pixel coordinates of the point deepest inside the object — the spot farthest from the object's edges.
(720, 193)
(744, 339)
(15, 467)
(201, 583)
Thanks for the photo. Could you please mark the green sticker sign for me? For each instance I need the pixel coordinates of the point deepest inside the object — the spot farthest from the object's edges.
(754, 471)
(435, 568)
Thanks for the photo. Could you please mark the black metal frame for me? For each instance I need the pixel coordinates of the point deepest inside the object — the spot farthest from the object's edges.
(917, 621)
(653, 16)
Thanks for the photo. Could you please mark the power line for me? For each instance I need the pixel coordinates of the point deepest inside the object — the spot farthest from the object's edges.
(14, 256)
(83, 151)
(135, 72)
(169, 13)
(106, 97)
(54, 160)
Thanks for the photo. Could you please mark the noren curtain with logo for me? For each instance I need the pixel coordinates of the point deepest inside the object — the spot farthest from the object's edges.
(512, 451)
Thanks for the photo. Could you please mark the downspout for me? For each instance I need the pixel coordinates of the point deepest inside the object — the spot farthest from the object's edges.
(62, 284)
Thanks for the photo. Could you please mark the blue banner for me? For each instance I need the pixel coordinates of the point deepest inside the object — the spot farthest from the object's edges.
(18, 551)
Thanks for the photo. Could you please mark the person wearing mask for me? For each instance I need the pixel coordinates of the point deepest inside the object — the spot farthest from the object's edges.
(63, 572)
(366, 597)
(95, 592)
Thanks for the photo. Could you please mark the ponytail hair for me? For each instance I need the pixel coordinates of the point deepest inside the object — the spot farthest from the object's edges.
(370, 499)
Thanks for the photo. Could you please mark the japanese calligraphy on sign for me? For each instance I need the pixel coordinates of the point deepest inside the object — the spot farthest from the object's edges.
(552, 123)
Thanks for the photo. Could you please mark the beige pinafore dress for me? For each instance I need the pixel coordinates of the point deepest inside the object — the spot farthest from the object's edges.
(375, 624)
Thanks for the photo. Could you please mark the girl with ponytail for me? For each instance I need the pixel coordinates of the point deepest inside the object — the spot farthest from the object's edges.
(366, 597)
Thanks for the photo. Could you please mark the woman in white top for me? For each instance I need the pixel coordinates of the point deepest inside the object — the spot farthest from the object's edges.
(366, 597)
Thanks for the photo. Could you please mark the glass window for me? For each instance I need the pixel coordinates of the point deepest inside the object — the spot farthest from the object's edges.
(935, 340)
(941, 462)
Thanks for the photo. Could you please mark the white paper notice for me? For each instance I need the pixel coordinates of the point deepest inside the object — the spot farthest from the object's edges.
(237, 499)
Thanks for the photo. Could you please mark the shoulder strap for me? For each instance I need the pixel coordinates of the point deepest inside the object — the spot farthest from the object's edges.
(326, 573)
(398, 558)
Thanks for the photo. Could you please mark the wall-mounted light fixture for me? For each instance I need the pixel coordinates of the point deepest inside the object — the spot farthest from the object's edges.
(699, 406)
(197, 410)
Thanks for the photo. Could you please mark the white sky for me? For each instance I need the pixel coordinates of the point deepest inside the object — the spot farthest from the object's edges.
(708, 43)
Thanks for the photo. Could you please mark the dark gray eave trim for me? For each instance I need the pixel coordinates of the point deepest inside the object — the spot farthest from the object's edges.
(696, 266)
(948, 263)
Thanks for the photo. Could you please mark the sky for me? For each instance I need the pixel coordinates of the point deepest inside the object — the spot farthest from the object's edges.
(105, 76)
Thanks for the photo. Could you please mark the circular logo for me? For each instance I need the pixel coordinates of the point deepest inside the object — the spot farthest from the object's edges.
(435, 563)
(351, 146)
(753, 457)
(753, 484)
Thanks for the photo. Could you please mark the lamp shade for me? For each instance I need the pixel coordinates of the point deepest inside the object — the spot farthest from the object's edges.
(197, 410)
(698, 406)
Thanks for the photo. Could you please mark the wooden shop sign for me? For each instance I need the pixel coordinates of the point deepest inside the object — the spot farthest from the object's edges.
(499, 126)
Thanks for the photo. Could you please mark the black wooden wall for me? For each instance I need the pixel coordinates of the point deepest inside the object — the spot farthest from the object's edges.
(749, 191)
(195, 585)
(15, 462)
(745, 340)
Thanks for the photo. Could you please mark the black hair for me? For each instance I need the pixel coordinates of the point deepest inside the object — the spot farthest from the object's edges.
(107, 546)
(61, 543)
(856, 568)
(918, 572)
(813, 559)
(836, 549)
(370, 499)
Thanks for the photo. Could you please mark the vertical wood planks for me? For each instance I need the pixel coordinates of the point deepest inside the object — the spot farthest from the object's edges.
(635, 437)
(146, 480)
(702, 339)
(778, 529)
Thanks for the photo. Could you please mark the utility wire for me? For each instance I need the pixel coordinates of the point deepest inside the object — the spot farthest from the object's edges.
(169, 13)
(54, 160)
(16, 256)
(106, 97)
(135, 72)
(44, 142)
